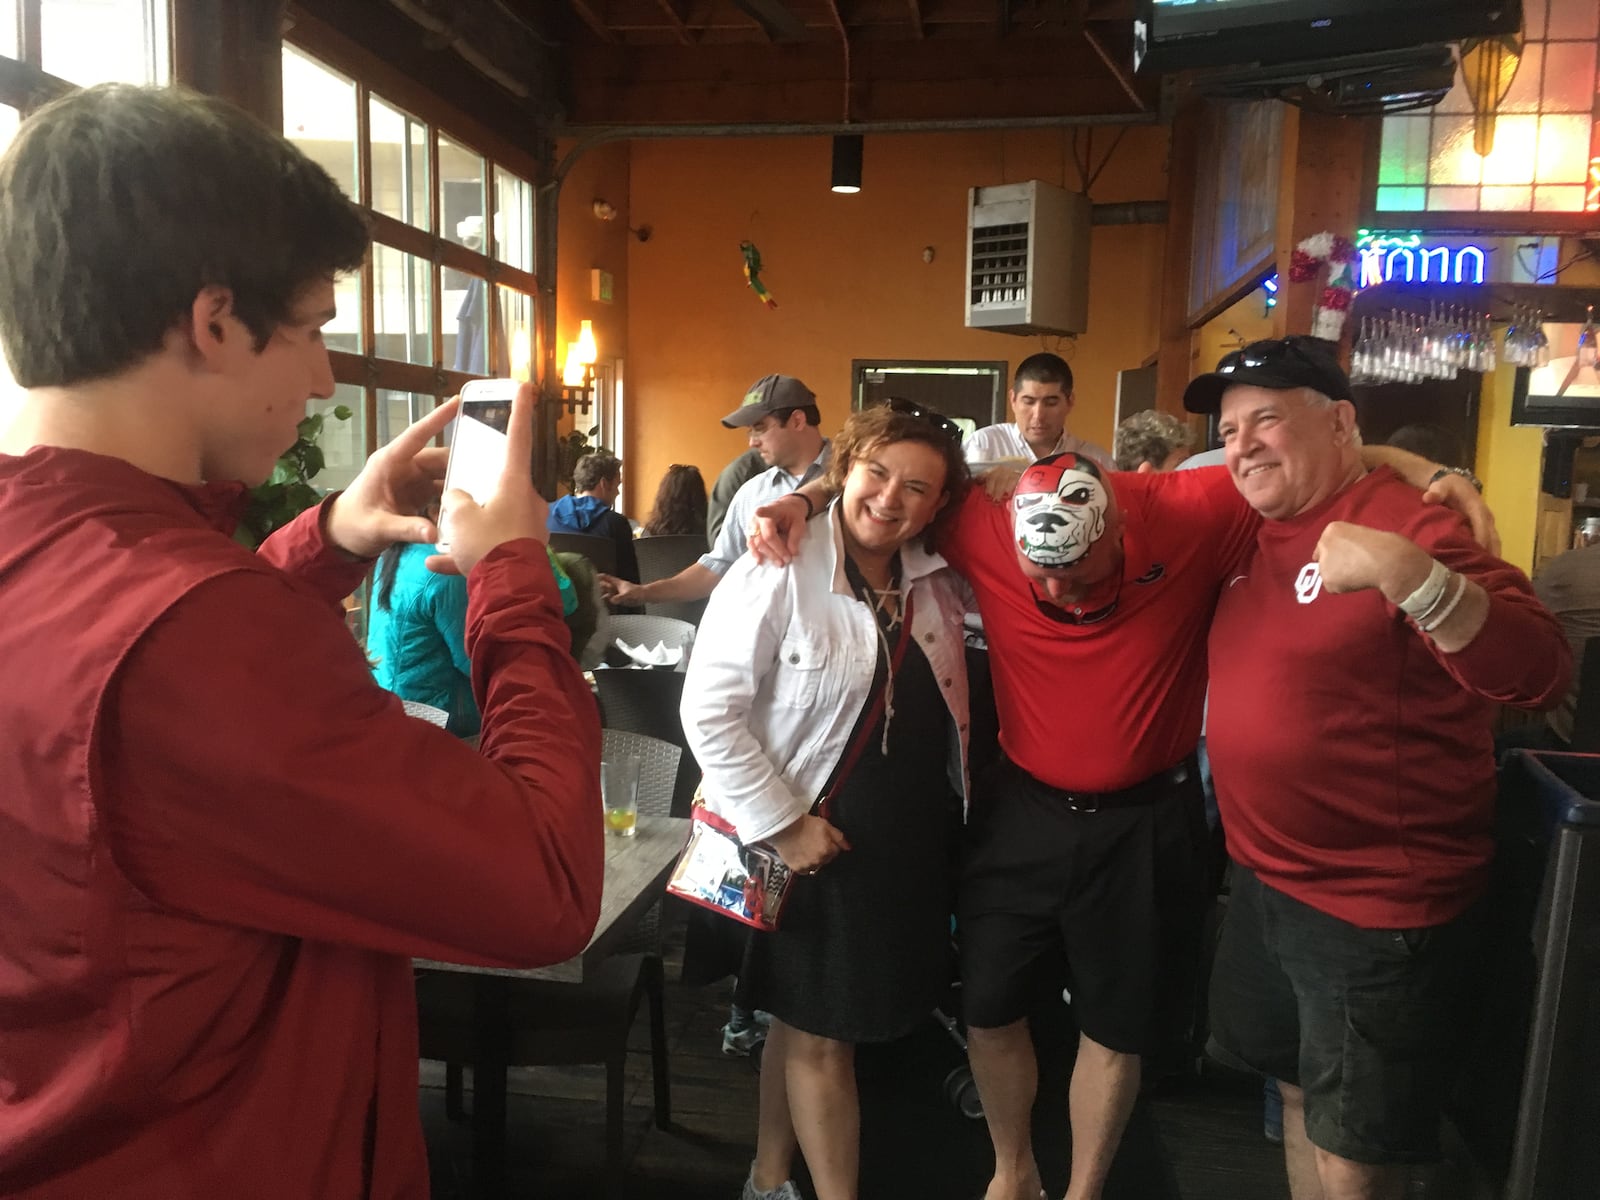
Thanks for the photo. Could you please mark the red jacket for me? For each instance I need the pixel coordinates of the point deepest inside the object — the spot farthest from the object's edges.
(221, 842)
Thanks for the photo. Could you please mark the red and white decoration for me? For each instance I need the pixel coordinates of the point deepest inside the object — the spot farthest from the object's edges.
(1340, 256)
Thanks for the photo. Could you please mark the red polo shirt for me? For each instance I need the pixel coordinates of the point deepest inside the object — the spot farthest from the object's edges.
(1099, 707)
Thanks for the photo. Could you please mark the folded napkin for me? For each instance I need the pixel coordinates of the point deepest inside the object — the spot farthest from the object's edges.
(659, 655)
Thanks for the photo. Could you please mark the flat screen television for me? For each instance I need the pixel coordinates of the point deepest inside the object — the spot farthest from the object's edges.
(1565, 393)
(1172, 35)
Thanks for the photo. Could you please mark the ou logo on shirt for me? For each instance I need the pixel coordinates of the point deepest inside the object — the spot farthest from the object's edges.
(1308, 584)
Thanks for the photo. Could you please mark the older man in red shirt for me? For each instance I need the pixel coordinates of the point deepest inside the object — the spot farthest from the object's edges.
(222, 842)
(1356, 658)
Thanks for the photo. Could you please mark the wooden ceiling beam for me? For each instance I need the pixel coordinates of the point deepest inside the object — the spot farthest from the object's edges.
(596, 23)
(775, 19)
(914, 10)
(932, 79)
(680, 21)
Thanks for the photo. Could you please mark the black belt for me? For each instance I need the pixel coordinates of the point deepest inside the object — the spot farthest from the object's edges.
(1146, 791)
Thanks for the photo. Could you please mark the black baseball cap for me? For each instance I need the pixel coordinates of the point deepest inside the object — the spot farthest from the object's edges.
(1277, 363)
(769, 394)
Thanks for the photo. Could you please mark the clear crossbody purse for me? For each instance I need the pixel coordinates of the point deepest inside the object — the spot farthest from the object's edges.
(751, 882)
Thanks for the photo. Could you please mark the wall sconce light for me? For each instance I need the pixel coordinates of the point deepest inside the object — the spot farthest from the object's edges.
(847, 162)
(577, 376)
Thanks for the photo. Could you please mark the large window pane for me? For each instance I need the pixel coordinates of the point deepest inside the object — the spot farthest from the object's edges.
(403, 290)
(104, 41)
(461, 194)
(8, 29)
(466, 328)
(343, 443)
(513, 219)
(344, 331)
(516, 318)
(396, 410)
(319, 116)
(399, 164)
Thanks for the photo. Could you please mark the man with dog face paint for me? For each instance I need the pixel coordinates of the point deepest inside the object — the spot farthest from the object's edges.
(1088, 835)
(1059, 510)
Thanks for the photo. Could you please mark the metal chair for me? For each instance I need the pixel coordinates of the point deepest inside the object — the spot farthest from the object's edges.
(640, 630)
(550, 1023)
(602, 552)
(662, 557)
(647, 702)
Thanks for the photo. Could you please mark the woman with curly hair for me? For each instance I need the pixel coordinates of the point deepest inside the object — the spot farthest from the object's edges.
(680, 506)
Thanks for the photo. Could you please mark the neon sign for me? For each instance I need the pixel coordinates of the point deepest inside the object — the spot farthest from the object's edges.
(1389, 258)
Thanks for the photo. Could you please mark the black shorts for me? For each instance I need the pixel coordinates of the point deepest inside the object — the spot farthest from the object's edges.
(1367, 1022)
(1118, 890)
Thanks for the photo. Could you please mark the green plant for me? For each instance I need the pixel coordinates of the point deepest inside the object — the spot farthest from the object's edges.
(288, 492)
(572, 447)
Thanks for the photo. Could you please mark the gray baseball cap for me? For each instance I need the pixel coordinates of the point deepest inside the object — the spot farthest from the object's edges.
(769, 394)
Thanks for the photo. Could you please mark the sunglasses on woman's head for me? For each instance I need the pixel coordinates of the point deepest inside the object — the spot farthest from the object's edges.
(910, 408)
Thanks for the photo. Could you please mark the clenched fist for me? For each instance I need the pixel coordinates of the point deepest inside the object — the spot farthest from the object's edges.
(1354, 557)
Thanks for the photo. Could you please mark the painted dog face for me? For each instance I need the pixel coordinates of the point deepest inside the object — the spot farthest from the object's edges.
(1058, 511)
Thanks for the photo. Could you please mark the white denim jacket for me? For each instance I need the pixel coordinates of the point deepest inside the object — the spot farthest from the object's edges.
(782, 667)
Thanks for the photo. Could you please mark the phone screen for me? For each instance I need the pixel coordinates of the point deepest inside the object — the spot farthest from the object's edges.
(478, 447)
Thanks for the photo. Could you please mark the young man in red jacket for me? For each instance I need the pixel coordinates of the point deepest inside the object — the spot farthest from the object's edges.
(1356, 658)
(223, 843)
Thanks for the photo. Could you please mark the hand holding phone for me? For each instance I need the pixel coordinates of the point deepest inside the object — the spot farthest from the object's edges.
(489, 495)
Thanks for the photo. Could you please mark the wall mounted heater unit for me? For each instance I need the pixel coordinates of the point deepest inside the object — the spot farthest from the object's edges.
(1027, 259)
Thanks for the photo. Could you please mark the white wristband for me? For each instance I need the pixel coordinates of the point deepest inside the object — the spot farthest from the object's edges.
(1443, 616)
(1428, 592)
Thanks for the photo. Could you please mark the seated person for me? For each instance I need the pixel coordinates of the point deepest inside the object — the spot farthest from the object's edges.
(596, 483)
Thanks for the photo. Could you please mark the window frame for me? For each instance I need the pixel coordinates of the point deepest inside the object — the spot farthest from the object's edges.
(368, 370)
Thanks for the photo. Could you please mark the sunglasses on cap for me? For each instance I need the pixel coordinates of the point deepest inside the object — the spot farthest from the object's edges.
(1271, 352)
(910, 408)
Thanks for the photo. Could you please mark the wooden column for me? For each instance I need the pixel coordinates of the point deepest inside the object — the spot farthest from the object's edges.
(1175, 352)
(232, 50)
(1324, 161)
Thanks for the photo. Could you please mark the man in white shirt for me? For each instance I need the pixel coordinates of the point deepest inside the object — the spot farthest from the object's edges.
(781, 414)
(1041, 399)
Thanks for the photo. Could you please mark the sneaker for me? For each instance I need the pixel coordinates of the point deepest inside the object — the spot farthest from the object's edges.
(784, 1191)
(740, 1041)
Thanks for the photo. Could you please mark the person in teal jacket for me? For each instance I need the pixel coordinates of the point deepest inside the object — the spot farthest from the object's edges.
(416, 635)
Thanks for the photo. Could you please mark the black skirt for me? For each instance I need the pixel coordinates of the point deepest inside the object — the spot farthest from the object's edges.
(863, 949)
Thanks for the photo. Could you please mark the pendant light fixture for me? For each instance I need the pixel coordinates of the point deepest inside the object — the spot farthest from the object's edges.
(846, 162)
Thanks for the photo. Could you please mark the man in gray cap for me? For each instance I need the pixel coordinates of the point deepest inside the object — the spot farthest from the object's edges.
(781, 414)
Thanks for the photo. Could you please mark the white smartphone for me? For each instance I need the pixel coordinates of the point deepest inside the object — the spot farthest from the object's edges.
(479, 437)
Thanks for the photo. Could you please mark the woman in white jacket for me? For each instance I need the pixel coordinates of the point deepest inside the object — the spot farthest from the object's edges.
(784, 672)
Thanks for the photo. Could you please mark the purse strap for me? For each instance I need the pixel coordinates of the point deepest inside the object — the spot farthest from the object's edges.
(864, 731)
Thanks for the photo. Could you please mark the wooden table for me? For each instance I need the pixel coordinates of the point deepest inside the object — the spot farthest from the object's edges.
(636, 877)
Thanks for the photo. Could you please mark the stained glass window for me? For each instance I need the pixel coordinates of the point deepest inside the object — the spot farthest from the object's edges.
(1546, 155)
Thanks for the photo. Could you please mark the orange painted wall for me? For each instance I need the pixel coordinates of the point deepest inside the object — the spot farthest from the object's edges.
(848, 275)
